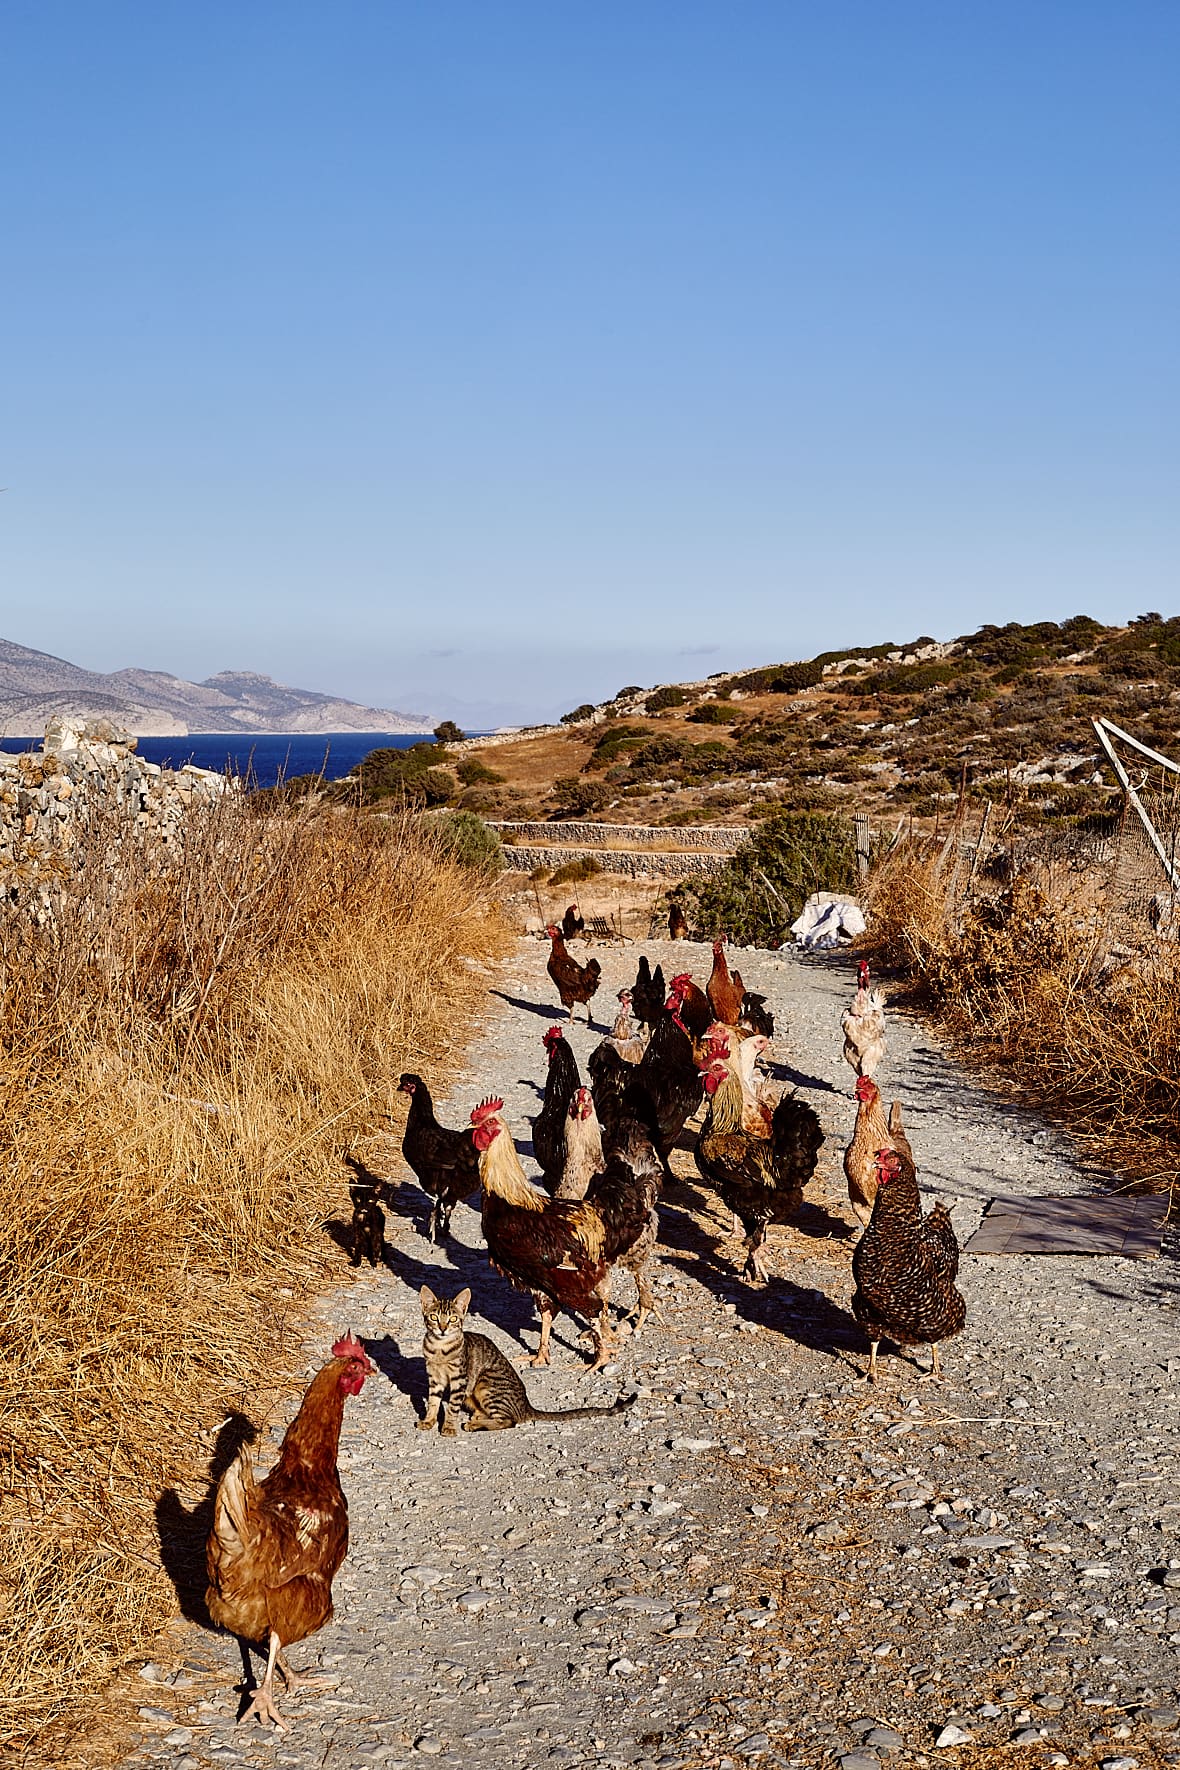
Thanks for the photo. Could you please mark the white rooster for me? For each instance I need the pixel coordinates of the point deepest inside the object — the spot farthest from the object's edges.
(863, 1025)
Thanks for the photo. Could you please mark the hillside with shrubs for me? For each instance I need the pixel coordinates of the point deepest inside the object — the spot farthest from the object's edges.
(1002, 714)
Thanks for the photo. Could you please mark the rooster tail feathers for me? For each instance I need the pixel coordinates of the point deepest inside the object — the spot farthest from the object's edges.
(590, 1231)
(232, 1523)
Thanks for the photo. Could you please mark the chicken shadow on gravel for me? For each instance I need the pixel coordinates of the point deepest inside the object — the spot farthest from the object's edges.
(493, 1298)
(182, 1534)
(406, 1374)
(799, 1078)
(553, 1012)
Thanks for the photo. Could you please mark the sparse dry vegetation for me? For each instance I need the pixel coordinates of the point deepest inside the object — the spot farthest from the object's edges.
(186, 1053)
(1021, 978)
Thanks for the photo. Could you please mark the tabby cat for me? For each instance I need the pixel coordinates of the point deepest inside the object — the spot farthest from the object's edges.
(478, 1376)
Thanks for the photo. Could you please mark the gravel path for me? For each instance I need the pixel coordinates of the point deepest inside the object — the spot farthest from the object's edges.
(764, 1561)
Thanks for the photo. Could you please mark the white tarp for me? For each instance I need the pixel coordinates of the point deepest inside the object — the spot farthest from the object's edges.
(828, 921)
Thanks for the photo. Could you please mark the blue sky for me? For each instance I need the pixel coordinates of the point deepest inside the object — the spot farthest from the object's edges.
(480, 358)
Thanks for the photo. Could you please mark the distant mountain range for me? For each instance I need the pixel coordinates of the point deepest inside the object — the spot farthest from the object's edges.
(35, 687)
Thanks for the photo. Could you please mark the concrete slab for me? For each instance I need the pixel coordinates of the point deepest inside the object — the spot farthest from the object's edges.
(1092, 1224)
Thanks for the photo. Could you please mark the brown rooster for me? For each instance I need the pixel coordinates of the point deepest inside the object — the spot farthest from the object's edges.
(870, 1133)
(905, 1266)
(575, 983)
(276, 1544)
(559, 1250)
(761, 1179)
(725, 992)
(689, 1006)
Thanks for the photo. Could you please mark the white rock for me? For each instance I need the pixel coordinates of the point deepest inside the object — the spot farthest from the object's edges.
(952, 1735)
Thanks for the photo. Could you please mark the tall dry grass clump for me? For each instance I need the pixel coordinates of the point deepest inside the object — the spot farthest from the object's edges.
(1021, 977)
(188, 1044)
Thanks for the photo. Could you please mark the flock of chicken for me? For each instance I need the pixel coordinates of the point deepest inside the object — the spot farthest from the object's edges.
(603, 1152)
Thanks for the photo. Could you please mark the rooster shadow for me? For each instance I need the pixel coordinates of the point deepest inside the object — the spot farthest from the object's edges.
(182, 1534)
(798, 1078)
(555, 1016)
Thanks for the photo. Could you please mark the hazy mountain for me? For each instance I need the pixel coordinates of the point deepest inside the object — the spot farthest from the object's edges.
(34, 687)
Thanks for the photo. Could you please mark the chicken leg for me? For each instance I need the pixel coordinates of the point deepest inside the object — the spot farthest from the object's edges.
(263, 1704)
(541, 1355)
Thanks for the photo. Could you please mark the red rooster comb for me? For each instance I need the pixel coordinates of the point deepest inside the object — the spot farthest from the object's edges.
(862, 974)
(485, 1109)
(866, 1089)
(551, 1037)
(680, 983)
(350, 1347)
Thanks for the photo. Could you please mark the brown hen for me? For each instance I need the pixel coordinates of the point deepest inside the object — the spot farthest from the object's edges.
(276, 1544)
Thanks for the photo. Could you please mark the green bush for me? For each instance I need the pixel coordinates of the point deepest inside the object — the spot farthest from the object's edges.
(574, 795)
(405, 774)
(766, 883)
(713, 713)
(615, 742)
(663, 698)
(448, 732)
(474, 773)
(468, 840)
(574, 871)
(585, 711)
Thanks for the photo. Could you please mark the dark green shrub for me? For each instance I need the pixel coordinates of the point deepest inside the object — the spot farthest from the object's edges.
(468, 840)
(764, 886)
(574, 871)
(616, 741)
(664, 698)
(405, 774)
(713, 713)
(474, 773)
(448, 732)
(585, 711)
(575, 795)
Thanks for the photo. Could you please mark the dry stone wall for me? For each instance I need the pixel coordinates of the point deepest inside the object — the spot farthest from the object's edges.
(717, 838)
(635, 863)
(86, 775)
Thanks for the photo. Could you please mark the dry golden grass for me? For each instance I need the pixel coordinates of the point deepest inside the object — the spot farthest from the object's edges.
(1018, 979)
(185, 1054)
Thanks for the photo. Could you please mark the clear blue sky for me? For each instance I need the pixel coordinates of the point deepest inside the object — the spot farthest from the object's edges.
(480, 358)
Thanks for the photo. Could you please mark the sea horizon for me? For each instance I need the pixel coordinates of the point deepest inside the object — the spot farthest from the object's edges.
(263, 758)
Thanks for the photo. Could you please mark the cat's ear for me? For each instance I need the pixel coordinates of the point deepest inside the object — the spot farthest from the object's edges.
(463, 1302)
(427, 1298)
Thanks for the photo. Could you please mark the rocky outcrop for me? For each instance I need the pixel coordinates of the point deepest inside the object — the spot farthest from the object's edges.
(86, 776)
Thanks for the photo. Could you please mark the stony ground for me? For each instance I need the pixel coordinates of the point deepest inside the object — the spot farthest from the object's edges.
(764, 1561)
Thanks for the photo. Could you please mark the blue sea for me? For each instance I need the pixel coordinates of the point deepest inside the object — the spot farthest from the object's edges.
(264, 757)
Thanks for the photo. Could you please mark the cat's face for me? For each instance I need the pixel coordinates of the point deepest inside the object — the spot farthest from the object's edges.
(442, 1312)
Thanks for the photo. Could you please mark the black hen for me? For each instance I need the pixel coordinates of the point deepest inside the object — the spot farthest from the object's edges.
(660, 1092)
(754, 1016)
(561, 1084)
(445, 1162)
(648, 994)
(573, 923)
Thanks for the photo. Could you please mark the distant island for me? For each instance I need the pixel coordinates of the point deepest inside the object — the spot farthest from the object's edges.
(36, 687)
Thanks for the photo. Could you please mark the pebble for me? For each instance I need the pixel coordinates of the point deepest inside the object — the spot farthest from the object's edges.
(859, 1761)
(885, 1739)
(952, 1734)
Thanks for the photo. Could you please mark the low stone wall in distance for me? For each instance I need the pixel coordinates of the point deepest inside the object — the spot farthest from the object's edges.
(651, 838)
(633, 862)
